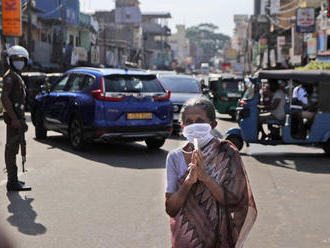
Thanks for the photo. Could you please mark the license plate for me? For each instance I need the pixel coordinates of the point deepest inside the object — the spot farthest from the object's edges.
(139, 116)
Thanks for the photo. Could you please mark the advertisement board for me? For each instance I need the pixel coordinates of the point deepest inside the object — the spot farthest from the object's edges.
(11, 18)
(305, 20)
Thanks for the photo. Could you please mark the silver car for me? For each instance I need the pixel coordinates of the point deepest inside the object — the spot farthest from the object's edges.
(182, 88)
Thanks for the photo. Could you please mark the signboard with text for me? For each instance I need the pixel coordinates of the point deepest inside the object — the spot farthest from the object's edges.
(11, 18)
(305, 20)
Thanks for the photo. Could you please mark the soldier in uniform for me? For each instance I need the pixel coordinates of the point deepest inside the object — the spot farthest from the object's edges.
(13, 100)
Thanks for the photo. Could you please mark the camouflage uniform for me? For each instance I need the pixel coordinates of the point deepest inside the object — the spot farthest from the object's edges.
(13, 100)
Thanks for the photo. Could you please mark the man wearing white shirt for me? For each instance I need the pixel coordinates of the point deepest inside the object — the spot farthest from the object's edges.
(301, 96)
(300, 112)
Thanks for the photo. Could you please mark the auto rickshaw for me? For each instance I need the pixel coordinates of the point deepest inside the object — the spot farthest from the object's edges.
(34, 82)
(225, 91)
(317, 133)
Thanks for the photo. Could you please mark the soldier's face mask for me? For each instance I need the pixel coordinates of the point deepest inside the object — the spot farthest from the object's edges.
(19, 65)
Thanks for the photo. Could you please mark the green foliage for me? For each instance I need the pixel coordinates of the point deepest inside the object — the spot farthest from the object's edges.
(315, 65)
(205, 36)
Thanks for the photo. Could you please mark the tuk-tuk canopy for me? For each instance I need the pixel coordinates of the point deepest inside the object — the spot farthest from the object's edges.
(225, 76)
(296, 75)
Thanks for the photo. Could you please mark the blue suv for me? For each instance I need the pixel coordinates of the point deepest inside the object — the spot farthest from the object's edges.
(92, 104)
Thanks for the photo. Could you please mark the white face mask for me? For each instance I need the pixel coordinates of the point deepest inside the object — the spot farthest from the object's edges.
(199, 131)
(19, 65)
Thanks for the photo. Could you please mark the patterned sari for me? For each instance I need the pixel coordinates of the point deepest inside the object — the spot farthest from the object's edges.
(202, 222)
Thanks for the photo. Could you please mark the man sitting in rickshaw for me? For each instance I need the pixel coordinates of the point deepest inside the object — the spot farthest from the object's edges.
(301, 109)
(276, 106)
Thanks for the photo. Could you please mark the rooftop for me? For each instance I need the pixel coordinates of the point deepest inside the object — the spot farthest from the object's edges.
(157, 14)
(113, 71)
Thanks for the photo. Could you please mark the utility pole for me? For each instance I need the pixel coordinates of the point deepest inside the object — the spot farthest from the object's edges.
(29, 31)
(62, 42)
(268, 32)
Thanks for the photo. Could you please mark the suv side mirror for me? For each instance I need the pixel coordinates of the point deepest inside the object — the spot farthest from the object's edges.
(45, 88)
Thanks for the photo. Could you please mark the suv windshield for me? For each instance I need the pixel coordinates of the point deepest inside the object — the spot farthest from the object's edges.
(249, 92)
(132, 83)
(231, 85)
(181, 85)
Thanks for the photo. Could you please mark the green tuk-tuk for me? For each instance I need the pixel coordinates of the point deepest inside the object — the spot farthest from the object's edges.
(225, 91)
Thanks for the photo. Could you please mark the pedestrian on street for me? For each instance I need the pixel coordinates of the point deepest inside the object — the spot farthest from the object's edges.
(208, 195)
(13, 101)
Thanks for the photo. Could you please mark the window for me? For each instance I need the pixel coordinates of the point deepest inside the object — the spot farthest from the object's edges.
(80, 82)
(182, 85)
(130, 83)
(249, 93)
(88, 82)
(59, 87)
(76, 83)
(231, 85)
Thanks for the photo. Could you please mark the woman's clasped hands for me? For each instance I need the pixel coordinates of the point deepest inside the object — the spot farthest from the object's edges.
(197, 168)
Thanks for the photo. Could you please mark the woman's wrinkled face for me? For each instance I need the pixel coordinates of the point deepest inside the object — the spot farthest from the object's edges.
(195, 115)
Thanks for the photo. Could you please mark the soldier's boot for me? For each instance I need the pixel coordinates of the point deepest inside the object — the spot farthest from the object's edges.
(16, 186)
(13, 183)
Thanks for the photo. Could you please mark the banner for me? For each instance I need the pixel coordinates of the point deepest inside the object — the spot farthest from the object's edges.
(11, 18)
(274, 7)
(305, 20)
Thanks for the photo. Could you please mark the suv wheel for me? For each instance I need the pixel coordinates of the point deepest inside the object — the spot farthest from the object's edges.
(155, 143)
(76, 134)
(40, 131)
(326, 148)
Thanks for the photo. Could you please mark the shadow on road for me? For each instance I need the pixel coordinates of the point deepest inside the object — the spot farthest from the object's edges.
(177, 137)
(130, 155)
(306, 162)
(23, 216)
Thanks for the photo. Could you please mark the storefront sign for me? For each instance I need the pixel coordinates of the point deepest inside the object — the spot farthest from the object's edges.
(311, 46)
(305, 20)
(11, 18)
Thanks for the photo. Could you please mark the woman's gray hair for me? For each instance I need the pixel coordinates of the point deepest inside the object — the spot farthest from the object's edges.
(202, 103)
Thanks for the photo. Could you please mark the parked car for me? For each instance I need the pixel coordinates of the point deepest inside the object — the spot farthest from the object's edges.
(96, 104)
(34, 81)
(182, 88)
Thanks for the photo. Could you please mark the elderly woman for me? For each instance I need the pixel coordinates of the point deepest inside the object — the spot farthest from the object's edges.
(208, 195)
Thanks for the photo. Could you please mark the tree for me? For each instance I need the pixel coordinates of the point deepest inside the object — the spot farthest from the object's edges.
(205, 36)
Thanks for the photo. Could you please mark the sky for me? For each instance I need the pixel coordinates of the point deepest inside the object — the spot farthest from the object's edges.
(188, 12)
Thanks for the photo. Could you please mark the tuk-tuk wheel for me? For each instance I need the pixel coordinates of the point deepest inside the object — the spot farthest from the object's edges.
(326, 148)
(233, 116)
(236, 140)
